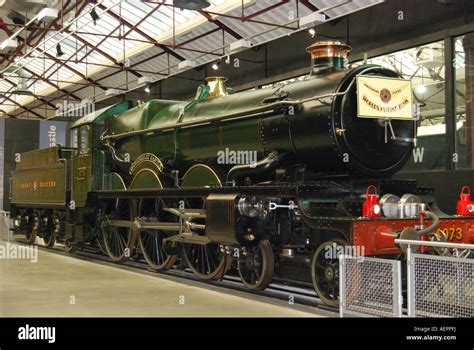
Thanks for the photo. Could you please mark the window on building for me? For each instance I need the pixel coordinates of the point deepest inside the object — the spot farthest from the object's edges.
(464, 72)
(424, 66)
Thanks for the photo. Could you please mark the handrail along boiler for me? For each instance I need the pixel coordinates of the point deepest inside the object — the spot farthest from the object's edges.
(164, 179)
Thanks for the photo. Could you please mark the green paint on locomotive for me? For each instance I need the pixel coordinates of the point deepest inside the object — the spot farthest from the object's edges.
(180, 148)
(40, 177)
(91, 163)
(154, 127)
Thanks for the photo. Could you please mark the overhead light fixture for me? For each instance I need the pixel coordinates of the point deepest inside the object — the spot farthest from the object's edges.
(240, 45)
(193, 5)
(216, 65)
(17, 18)
(112, 92)
(147, 89)
(8, 45)
(21, 88)
(59, 51)
(312, 20)
(145, 80)
(421, 89)
(47, 15)
(186, 64)
(312, 32)
(94, 15)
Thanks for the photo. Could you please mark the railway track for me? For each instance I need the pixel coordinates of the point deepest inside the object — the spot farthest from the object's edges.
(300, 294)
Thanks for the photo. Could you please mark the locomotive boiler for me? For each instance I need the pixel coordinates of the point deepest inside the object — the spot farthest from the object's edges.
(260, 183)
(312, 122)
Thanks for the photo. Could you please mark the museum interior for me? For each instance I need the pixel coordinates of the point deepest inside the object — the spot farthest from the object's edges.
(237, 158)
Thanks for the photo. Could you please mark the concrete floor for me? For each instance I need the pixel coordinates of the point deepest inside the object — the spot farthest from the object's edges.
(58, 285)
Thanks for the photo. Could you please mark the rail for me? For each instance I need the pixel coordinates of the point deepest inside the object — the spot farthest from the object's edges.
(413, 242)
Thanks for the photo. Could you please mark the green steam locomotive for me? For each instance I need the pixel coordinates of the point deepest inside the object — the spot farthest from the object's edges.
(259, 183)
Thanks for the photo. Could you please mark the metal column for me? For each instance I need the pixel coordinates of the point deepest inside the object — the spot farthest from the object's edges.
(450, 102)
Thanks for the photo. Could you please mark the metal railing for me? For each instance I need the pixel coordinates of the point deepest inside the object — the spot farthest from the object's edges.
(370, 287)
(437, 285)
(440, 286)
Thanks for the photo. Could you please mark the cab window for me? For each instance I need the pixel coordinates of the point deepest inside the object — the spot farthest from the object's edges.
(74, 141)
(74, 138)
(84, 139)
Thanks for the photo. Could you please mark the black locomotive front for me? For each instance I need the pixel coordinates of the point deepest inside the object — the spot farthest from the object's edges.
(327, 134)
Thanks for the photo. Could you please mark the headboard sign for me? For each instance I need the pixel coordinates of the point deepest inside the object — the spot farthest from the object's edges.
(386, 98)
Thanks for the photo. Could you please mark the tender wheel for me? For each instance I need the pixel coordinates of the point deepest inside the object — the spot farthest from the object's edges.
(151, 242)
(325, 272)
(119, 241)
(256, 267)
(206, 260)
(31, 229)
(48, 229)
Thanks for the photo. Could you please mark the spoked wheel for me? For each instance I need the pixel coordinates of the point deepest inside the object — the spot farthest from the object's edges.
(151, 241)
(119, 241)
(31, 229)
(99, 241)
(256, 267)
(206, 260)
(48, 230)
(325, 271)
(98, 238)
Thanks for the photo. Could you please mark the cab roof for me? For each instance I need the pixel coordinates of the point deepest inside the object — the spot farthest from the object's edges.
(96, 115)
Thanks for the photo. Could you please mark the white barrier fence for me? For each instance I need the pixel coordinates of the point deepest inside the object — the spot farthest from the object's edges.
(5, 226)
(370, 287)
(437, 286)
(440, 286)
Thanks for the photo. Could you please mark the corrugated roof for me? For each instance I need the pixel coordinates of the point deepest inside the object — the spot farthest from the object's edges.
(144, 22)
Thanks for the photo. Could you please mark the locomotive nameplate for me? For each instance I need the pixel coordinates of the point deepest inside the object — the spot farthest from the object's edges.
(146, 157)
(386, 98)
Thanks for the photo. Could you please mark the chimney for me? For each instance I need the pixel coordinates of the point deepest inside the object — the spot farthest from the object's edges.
(327, 56)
